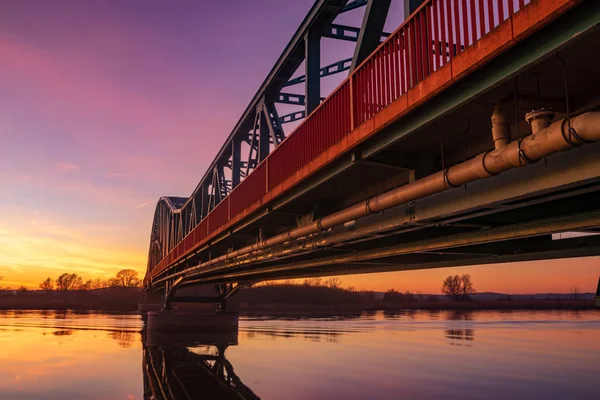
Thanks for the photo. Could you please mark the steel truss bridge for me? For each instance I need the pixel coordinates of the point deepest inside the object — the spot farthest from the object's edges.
(467, 135)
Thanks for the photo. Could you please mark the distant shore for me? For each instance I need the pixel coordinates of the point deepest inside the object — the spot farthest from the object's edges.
(286, 309)
(279, 300)
(108, 299)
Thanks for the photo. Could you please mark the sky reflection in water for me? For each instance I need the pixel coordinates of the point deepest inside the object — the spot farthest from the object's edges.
(422, 354)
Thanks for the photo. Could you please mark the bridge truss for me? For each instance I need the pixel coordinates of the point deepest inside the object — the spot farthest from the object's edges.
(398, 167)
(260, 129)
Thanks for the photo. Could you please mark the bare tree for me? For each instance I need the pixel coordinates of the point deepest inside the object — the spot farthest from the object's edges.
(68, 282)
(333, 283)
(98, 284)
(458, 286)
(125, 278)
(393, 295)
(451, 286)
(467, 288)
(47, 285)
(313, 282)
(575, 292)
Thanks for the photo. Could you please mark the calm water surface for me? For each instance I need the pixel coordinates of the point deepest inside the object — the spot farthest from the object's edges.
(414, 355)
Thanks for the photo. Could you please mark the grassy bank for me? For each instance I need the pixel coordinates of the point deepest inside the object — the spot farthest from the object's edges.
(292, 299)
(281, 308)
(108, 299)
(287, 299)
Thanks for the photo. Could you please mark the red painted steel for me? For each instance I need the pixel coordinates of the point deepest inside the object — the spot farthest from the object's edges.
(435, 35)
(219, 215)
(424, 43)
(465, 24)
(500, 5)
(490, 14)
(481, 14)
(253, 190)
(329, 124)
(456, 28)
(472, 13)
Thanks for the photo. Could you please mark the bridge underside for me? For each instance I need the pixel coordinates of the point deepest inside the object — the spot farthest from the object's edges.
(514, 216)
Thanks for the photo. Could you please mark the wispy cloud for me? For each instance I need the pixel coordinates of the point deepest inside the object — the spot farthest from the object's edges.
(66, 167)
(143, 204)
(121, 175)
(12, 267)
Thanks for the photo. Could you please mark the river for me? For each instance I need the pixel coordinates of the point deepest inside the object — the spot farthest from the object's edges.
(412, 355)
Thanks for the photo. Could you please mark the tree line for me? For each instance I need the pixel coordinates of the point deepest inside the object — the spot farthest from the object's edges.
(66, 281)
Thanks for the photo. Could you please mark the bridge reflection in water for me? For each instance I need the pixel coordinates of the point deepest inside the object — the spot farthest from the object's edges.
(190, 365)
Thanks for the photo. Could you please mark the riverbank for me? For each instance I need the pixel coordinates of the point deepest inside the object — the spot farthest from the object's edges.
(290, 300)
(291, 309)
(107, 299)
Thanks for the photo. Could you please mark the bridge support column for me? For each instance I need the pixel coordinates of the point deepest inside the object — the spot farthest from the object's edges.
(152, 301)
(598, 295)
(169, 320)
(196, 308)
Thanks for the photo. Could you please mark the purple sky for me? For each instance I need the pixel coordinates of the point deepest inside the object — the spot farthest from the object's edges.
(108, 105)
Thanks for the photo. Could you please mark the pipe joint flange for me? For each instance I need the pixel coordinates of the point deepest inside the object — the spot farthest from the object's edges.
(447, 182)
(487, 171)
(541, 113)
(320, 226)
(522, 155)
(571, 134)
(368, 206)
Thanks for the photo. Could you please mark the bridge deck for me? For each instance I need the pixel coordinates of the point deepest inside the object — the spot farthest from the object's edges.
(437, 47)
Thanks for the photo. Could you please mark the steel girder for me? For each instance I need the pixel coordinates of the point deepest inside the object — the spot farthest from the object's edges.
(260, 130)
(524, 56)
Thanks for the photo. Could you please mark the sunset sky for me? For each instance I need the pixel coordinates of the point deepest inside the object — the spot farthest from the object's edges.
(105, 106)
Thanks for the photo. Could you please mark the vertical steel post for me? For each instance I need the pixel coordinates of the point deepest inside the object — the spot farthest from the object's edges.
(204, 203)
(236, 162)
(312, 63)
(410, 6)
(264, 135)
(371, 29)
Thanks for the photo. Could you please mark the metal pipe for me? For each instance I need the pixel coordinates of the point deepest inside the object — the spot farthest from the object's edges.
(557, 137)
(539, 119)
(533, 228)
(500, 120)
(500, 126)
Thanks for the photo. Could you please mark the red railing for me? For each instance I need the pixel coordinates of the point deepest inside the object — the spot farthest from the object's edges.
(219, 215)
(250, 190)
(434, 34)
(326, 126)
(438, 31)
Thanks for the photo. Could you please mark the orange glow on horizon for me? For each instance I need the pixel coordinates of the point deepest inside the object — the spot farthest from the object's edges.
(34, 247)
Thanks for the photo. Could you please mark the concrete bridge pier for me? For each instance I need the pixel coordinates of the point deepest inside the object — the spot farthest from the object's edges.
(152, 301)
(196, 308)
(171, 320)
